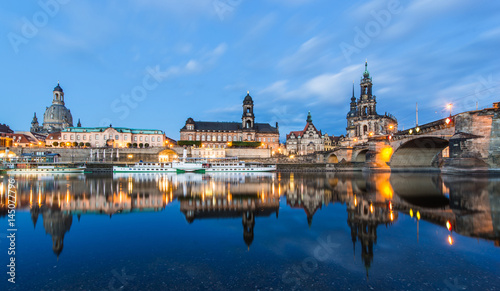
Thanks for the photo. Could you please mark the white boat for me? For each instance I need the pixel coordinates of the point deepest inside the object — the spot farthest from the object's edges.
(173, 167)
(235, 165)
(195, 165)
(145, 168)
(56, 169)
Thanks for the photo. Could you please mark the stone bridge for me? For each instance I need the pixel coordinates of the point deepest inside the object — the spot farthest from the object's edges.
(463, 142)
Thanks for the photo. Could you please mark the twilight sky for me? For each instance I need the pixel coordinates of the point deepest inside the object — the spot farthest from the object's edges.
(154, 63)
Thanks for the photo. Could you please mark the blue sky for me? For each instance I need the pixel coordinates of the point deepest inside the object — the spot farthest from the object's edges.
(154, 63)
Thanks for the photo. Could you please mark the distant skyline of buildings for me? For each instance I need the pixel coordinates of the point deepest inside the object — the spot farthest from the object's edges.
(362, 120)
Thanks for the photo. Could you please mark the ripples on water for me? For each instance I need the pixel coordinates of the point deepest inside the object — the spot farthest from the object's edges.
(255, 231)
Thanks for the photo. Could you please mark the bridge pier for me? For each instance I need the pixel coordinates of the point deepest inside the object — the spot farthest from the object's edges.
(475, 146)
(378, 155)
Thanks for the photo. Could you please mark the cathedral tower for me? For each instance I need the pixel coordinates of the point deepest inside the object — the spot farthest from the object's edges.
(247, 120)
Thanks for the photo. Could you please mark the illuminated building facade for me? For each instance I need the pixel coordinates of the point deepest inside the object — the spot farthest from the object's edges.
(363, 120)
(306, 141)
(115, 137)
(220, 134)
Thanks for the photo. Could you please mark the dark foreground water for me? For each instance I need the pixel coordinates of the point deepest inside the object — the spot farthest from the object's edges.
(253, 231)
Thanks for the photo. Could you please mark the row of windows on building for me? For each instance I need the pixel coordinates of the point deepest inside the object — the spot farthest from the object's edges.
(117, 137)
(313, 141)
(226, 138)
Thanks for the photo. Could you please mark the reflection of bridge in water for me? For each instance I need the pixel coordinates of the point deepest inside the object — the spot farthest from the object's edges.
(470, 205)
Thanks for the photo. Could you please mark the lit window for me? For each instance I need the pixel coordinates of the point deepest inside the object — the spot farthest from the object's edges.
(125, 137)
(64, 137)
(71, 137)
(135, 138)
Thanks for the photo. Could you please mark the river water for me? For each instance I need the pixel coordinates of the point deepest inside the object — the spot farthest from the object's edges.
(252, 231)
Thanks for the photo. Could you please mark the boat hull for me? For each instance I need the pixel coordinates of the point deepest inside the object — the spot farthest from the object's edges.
(46, 171)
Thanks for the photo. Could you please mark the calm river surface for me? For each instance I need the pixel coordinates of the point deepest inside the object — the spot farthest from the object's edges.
(253, 231)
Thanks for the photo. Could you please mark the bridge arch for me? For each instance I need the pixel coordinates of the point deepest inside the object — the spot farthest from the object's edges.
(360, 156)
(332, 158)
(418, 152)
(167, 155)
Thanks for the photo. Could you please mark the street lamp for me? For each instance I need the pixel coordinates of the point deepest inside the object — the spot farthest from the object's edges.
(449, 106)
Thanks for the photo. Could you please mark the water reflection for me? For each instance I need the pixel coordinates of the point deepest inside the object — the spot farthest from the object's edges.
(467, 206)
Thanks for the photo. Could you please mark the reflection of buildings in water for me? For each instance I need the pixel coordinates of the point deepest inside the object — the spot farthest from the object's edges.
(224, 183)
(55, 222)
(363, 217)
(475, 202)
(102, 194)
(227, 205)
(471, 209)
(309, 192)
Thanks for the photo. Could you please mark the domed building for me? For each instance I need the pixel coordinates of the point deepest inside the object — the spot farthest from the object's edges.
(56, 117)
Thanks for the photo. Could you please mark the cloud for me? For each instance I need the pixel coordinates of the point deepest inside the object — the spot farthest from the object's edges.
(328, 88)
(316, 51)
(420, 13)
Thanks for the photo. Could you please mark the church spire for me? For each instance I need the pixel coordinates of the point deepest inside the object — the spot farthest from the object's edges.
(79, 124)
(366, 74)
(353, 98)
(309, 117)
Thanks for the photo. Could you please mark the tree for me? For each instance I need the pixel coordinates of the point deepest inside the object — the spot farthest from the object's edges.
(87, 144)
(135, 144)
(55, 143)
(141, 145)
(75, 144)
(146, 145)
(129, 145)
(81, 144)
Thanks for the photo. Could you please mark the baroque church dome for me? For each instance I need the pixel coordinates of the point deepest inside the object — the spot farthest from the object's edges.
(57, 116)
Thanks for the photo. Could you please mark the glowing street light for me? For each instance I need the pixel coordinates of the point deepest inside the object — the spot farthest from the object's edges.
(449, 106)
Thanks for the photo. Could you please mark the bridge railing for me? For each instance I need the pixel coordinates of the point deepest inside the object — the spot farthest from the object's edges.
(428, 127)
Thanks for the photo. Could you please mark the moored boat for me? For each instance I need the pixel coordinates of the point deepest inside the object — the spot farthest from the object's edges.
(49, 169)
(173, 167)
(235, 165)
(145, 168)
